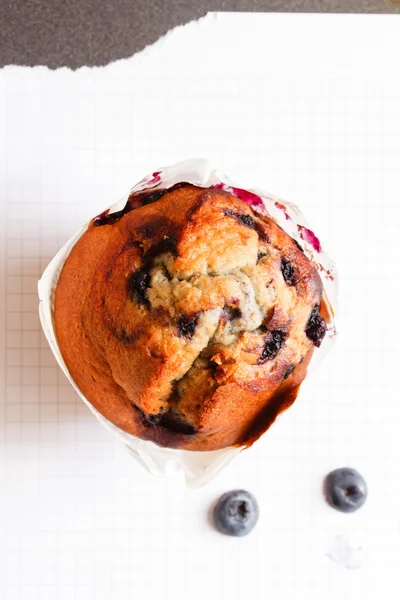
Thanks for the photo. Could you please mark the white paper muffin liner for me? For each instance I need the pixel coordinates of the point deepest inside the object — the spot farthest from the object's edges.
(197, 467)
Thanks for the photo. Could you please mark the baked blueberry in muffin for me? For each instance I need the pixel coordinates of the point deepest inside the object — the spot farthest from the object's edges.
(187, 318)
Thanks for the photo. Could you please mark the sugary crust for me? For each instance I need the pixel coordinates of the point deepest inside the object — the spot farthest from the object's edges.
(185, 318)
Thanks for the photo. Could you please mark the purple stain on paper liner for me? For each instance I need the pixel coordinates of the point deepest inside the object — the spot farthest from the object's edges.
(331, 332)
(309, 236)
(249, 198)
(155, 177)
(327, 272)
(283, 208)
(150, 180)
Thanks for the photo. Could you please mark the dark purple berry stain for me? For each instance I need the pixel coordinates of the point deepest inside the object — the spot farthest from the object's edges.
(246, 220)
(167, 244)
(109, 219)
(177, 425)
(187, 325)
(135, 200)
(153, 419)
(138, 283)
(274, 342)
(288, 272)
(124, 337)
(262, 234)
(316, 327)
(146, 198)
(153, 197)
(289, 371)
(146, 231)
(232, 313)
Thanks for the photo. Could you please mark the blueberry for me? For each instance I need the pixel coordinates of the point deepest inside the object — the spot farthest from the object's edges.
(236, 513)
(245, 220)
(273, 343)
(345, 490)
(138, 283)
(187, 325)
(316, 327)
(288, 272)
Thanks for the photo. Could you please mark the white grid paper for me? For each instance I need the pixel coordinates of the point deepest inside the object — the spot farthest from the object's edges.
(79, 519)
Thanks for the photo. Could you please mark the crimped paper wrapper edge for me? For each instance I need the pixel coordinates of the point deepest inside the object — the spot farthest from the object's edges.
(198, 467)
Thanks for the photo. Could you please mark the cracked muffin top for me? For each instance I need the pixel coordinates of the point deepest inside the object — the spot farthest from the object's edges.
(187, 318)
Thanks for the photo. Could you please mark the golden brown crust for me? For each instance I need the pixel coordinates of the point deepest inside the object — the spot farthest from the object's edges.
(185, 318)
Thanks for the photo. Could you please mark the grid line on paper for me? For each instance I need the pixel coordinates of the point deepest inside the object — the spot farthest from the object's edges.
(32, 378)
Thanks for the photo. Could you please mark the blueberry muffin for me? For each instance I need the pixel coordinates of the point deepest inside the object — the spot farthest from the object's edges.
(187, 318)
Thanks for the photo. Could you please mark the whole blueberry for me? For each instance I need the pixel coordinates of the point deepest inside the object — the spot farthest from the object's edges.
(236, 513)
(345, 490)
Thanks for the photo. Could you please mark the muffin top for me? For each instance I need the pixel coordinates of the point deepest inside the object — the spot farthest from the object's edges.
(187, 318)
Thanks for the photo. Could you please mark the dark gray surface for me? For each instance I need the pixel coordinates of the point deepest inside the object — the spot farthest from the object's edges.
(94, 32)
